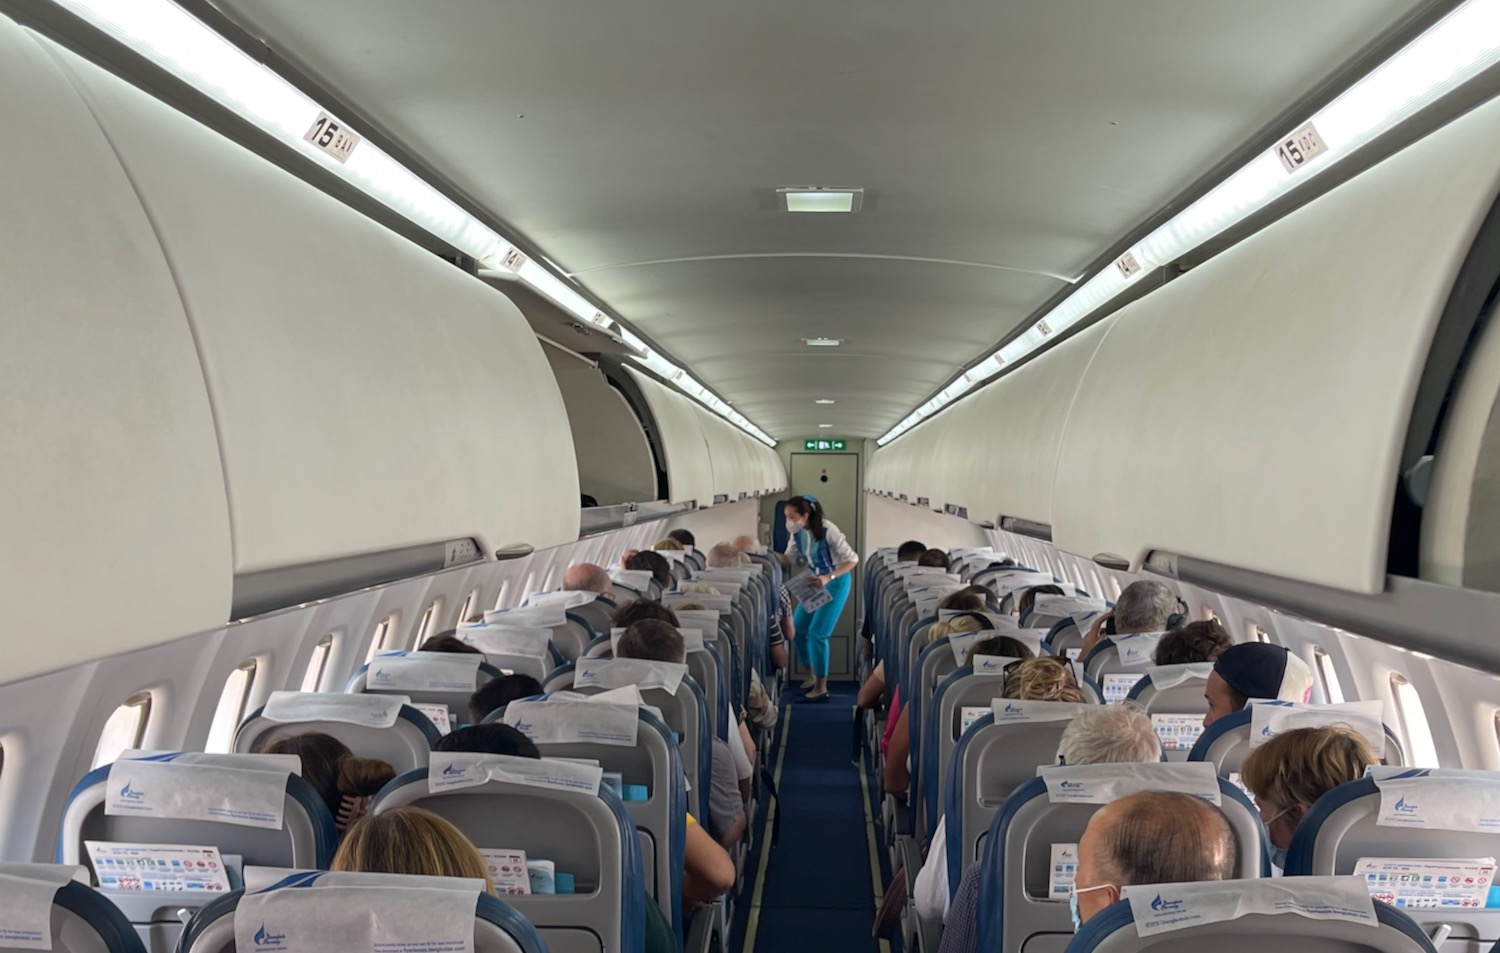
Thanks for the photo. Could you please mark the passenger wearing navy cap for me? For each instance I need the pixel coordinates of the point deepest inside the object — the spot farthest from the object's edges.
(1254, 670)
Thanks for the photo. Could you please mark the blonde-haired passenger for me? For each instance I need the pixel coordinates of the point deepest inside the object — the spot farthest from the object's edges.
(410, 840)
(668, 544)
(1045, 679)
(1288, 774)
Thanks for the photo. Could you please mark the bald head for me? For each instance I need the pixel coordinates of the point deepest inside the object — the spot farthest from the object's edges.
(723, 556)
(1157, 837)
(586, 577)
(746, 544)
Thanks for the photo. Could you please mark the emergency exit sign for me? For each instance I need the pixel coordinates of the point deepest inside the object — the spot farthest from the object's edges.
(822, 444)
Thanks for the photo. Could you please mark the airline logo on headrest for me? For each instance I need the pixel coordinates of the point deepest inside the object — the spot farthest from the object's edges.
(1404, 808)
(1071, 786)
(524, 727)
(1165, 906)
(130, 794)
(989, 665)
(452, 771)
(1266, 731)
(266, 940)
(1012, 709)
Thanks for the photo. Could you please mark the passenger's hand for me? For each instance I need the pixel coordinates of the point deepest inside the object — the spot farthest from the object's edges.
(1095, 634)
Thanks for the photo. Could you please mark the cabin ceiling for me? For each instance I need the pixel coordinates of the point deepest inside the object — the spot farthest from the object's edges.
(1002, 147)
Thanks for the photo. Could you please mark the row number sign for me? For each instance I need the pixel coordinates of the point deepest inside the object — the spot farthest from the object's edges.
(1300, 147)
(823, 445)
(332, 137)
(1128, 265)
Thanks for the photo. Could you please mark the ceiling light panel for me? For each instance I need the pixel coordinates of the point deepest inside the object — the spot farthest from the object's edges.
(187, 48)
(1449, 54)
(822, 342)
(821, 199)
(825, 402)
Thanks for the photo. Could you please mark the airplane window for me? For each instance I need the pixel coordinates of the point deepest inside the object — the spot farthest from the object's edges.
(125, 729)
(1419, 744)
(233, 704)
(382, 633)
(470, 604)
(312, 679)
(424, 629)
(500, 596)
(1332, 691)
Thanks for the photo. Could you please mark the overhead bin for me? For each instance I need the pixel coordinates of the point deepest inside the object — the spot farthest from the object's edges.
(111, 494)
(705, 456)
(553, 323)
(347, 368)
(614, 458)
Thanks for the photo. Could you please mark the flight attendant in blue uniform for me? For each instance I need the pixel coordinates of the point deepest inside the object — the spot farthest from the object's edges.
(830, 556)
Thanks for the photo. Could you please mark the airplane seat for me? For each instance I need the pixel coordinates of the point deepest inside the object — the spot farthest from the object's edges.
(177, 798)
(1066, 636)
(623, 594)
(595, 616)
(341, 906)
(653, 788)
(602, 647)
(1048, 610)
(1173, 696)
(47, 908)
(1369, 818)
(707, 669)
(371, 726)
(426, 678)
(1017, 857)
(531, 651)
(585, 833)
(1116, 928)
(698, 560)
(1226, 742)
(1118, 662)
(990, 761)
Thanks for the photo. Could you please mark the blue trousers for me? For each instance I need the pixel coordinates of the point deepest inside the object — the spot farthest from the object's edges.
(815, 628)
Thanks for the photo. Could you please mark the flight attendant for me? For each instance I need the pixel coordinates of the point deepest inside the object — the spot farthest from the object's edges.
(832, 559)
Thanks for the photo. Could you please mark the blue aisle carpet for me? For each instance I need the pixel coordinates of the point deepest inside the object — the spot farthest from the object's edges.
(818, 893)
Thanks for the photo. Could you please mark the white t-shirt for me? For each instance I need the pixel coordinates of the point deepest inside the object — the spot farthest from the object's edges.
(931, 888)
(839, 549)
(743, 769)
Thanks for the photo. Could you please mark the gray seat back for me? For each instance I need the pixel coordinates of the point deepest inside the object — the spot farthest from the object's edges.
(1177, 710)
(81, 920)
(404, 745)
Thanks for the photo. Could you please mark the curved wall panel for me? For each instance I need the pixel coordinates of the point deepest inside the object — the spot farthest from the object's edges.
(1253, 411)
(347, 368)
(115, 526)
(614, 458)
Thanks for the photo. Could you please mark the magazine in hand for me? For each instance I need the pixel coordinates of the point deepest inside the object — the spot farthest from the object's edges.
(808, 592)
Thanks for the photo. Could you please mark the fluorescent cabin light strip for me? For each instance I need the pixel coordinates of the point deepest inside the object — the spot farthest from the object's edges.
(1453, 51)
(183, 45)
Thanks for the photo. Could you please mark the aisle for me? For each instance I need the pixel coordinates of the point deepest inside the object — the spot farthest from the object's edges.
(817, 893)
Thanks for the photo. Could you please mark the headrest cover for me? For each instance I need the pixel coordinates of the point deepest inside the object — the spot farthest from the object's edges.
(1066, 605)
(372, 711)
(26, 895)
(618, 673)
(1439, 800)
(547, 615)
(1137, 649)
(513, 640)
(717, 603)
(1262, 670)
(464, 769)
(1163, 908)
(571, 722)
(245, 790)
(567, 598)
(704, 620)
(637, 579)
(1269, 719)
(423, 672)
(1103, 783)
(345, 913)
(1170, 676)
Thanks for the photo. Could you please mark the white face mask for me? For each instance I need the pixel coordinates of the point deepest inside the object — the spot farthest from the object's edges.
(795, 527)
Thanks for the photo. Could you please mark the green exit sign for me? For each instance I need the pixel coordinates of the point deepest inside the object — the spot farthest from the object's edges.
(822, 444)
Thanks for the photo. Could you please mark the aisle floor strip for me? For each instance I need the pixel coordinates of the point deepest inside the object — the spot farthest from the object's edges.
(765, 844)
(875, 879)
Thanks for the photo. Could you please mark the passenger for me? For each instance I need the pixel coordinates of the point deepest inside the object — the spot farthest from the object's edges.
(1027, 600)
(448, 642)
(746, 545)
(784, 631)
(344, 781)
(705, 864)
(654, 563)
(1156, 837)
(640, 610)
(1003, 646)
(499, 692)
(667, 545)
(700, 588)
(830, 556)
(493, 738)
(661, 642)
(586, 577)
(935, 558)
(411, 841)
(1046, 678)
(1106, 734)
(723, 556)
(986, 594)
(1194, 642)
(684, 537)
(1254, 670)
(873, 689)
(1144, 606)
(1290, 772)
(909, 551)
